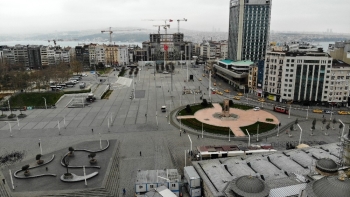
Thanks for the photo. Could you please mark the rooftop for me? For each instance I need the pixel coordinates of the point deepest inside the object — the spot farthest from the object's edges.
(157, 176)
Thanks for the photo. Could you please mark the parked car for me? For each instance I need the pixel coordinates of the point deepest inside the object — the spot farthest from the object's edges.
(256, 108)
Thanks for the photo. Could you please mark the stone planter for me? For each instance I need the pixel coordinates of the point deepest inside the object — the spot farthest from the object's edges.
(93, 161)
(39, 162)
(67, 176)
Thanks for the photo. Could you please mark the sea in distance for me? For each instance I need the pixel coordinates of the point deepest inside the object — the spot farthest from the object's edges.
(63, 43)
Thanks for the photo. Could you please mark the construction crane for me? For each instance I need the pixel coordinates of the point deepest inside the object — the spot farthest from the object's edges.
(110, 31)
(164, 26)
(178, 24)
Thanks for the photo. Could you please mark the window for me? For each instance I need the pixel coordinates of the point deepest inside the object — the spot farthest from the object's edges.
(151, 186)
(140, 186)
(173, 185)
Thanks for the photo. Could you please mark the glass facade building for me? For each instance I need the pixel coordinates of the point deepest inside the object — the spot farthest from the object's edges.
(249, 27)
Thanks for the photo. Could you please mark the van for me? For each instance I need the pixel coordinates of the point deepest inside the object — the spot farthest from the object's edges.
(163, 109)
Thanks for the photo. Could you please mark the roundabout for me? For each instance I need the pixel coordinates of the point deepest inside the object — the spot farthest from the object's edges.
(241, 118)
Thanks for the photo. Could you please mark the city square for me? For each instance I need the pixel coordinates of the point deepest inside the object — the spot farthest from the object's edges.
(137, 125)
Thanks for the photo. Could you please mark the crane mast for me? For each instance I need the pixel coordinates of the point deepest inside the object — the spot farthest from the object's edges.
(178, 24)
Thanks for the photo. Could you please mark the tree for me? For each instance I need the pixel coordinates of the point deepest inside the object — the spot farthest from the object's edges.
(291, 127)
(314, 122)
(334, 121)
(296, 121)
(204, 103)
(312, 129)
(230, 102)
(188, 109)
(327, 127)
(38, 158)
(26, 170)
(76, 66)
(340, 127)
(323, 122)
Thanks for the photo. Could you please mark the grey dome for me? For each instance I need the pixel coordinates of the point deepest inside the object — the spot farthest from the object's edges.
(249, 186)
(329, 186)
(327, 165)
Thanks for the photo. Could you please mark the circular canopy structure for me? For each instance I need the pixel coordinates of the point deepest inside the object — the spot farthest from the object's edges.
(249, 186)
(327, 165)
(329, 186)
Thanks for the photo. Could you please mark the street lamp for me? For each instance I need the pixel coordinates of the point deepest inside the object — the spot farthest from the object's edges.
(202, 130)
(180, 121)
(248, 137)
(257, 136)
(278, 131)
(45, 102)
(190, 141)
(307, 112)
(301, 133)
(331, 113)
(10, 128)
(342, 133)
(289, 111)
(41, 149)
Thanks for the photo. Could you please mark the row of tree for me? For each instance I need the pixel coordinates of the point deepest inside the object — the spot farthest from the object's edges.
(17, 77)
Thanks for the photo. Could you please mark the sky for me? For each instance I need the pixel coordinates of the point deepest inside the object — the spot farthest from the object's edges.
(49, 16)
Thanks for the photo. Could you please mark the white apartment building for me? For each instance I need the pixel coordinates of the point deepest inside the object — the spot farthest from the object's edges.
(92, 55)
(9, 55)
(305, 76)
(123, 55)
(100, 55)
(47, 54)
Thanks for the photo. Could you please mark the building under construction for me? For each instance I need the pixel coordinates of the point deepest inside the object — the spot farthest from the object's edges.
(177, 48)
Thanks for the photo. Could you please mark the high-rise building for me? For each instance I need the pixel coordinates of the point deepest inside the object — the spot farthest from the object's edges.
(249, 26)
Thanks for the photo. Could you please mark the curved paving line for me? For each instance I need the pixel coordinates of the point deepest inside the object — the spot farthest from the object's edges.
(85, 150)
(35, 176)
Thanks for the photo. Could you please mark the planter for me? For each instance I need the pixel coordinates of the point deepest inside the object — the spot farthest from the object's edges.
(67, 176)
(3, 116)
(93, 161)
(70, 154)
(11, 116)
(22, 115)
(39, 162)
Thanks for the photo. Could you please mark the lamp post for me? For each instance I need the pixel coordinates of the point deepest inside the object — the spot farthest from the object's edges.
(289, 111)
(202, 130)
(229, 135)
(248, 137)
(10, 128)
(257, 136)
(41, 149)
(8, 103)
(301, 133)
(45, 102)
(342, 133)
(100, 141)
(180, 121)
(190, 141)
(157, 118)
(307, 113)
(278, 131)
(331, 113)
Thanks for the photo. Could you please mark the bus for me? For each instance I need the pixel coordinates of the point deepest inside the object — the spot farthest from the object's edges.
(281, 109)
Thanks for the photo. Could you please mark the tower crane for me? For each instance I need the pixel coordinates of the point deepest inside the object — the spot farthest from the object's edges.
(110, 31)
(164, 26)
(178, 24)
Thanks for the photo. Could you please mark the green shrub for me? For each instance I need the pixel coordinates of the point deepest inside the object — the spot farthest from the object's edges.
(263, 127)
(194, 109)
(269, 119)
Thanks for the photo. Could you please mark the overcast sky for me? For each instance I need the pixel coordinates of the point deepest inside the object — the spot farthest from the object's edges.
(47, 16)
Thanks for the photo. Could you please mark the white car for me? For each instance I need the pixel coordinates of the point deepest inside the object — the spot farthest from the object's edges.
(165, 72)
(256, 108)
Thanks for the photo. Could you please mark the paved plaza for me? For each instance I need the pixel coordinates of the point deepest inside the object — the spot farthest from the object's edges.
(136, 125)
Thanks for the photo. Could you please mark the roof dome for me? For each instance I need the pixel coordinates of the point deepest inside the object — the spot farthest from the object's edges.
(329, 186)
(327, 165)
(249, 186)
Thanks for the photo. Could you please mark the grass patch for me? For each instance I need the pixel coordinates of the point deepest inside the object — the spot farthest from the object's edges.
(122, 72)
(197, 125)
(78, 91)
(107, 94)
(34, 99)
(263, 127)
(194, 109)
(269, 119)
(239, 106)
